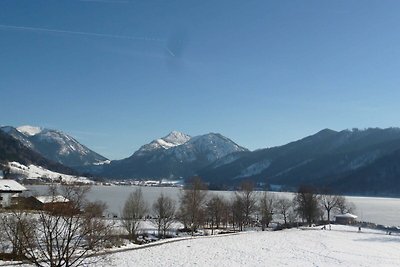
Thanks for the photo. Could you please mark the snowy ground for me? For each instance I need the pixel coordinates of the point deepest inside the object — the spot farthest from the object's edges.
(343, 246)
(33, 172)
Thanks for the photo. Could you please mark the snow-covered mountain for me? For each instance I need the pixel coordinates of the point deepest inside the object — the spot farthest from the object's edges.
(175, 155)
(54, 145)
(208, 147)
(12, 150)
(173, 139)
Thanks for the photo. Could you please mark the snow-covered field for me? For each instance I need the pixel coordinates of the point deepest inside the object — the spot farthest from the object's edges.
(343, 246)
(34, 172)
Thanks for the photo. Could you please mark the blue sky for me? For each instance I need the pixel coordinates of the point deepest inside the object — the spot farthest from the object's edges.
(117, 74)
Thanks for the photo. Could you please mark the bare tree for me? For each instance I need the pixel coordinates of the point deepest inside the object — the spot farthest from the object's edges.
(192, 204)
(94, 224)
(248, 200)
(164, 209)
(266, 208)
(307, 204)
(226, 212)
(215, 211)
(329, 202)
(238, 217)
(283, 207)
(95, 209)
(58, 235)
(15, 228)
(133, 212)
(343, 206)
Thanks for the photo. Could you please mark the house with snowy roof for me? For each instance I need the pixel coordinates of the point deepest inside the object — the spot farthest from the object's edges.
(8, 190)
(346, 218)
(54, 203)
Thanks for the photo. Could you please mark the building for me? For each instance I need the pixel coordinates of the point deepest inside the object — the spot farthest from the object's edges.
(347, 218)
(48, 202)
(8, 190)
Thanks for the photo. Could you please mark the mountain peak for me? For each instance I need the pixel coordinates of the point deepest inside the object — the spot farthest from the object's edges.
(176, 138)
(29, 130)
(173, 139)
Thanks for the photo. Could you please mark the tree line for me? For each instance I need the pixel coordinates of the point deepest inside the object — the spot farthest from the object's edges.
(199, 209)
(68, 233)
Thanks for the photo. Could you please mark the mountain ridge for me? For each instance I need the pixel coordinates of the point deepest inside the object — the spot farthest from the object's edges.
(181, 160)
(350, 161)
(54, 145)
(313, 160)
(12, 150)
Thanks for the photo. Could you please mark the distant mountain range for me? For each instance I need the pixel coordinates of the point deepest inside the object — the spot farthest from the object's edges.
(350, 161)
(54, 145)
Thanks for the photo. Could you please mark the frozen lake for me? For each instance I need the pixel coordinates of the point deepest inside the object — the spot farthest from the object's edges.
(384, 211)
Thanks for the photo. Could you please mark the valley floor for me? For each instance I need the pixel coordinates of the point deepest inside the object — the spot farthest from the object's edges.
(342, 246)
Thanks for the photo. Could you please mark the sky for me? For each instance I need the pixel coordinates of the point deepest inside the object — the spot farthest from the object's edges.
(117, 74)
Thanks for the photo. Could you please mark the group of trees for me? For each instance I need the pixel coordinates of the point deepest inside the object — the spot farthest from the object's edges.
(247, 208)
(62, 234)
(198, 208)
(136, 208)
(312, 206)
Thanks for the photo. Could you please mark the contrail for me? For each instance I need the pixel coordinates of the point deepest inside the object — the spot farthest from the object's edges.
(169, 51)
(103, 35)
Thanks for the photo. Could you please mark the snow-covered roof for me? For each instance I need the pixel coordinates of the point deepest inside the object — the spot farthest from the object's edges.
(10, 186)
(52, 199)
(346, 215)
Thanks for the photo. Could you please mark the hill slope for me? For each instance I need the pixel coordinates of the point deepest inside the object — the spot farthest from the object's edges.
(12, 150)
(55, 145)
(318, 160)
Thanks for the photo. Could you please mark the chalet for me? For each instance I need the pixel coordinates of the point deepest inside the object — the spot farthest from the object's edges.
(346, 218)
(9, 189)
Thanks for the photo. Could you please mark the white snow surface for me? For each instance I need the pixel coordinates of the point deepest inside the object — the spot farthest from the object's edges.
(342, 246)
(36, 172)
(176, 138)
(104, 162)
(29, 130)
(173, 139)
(211, 146)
